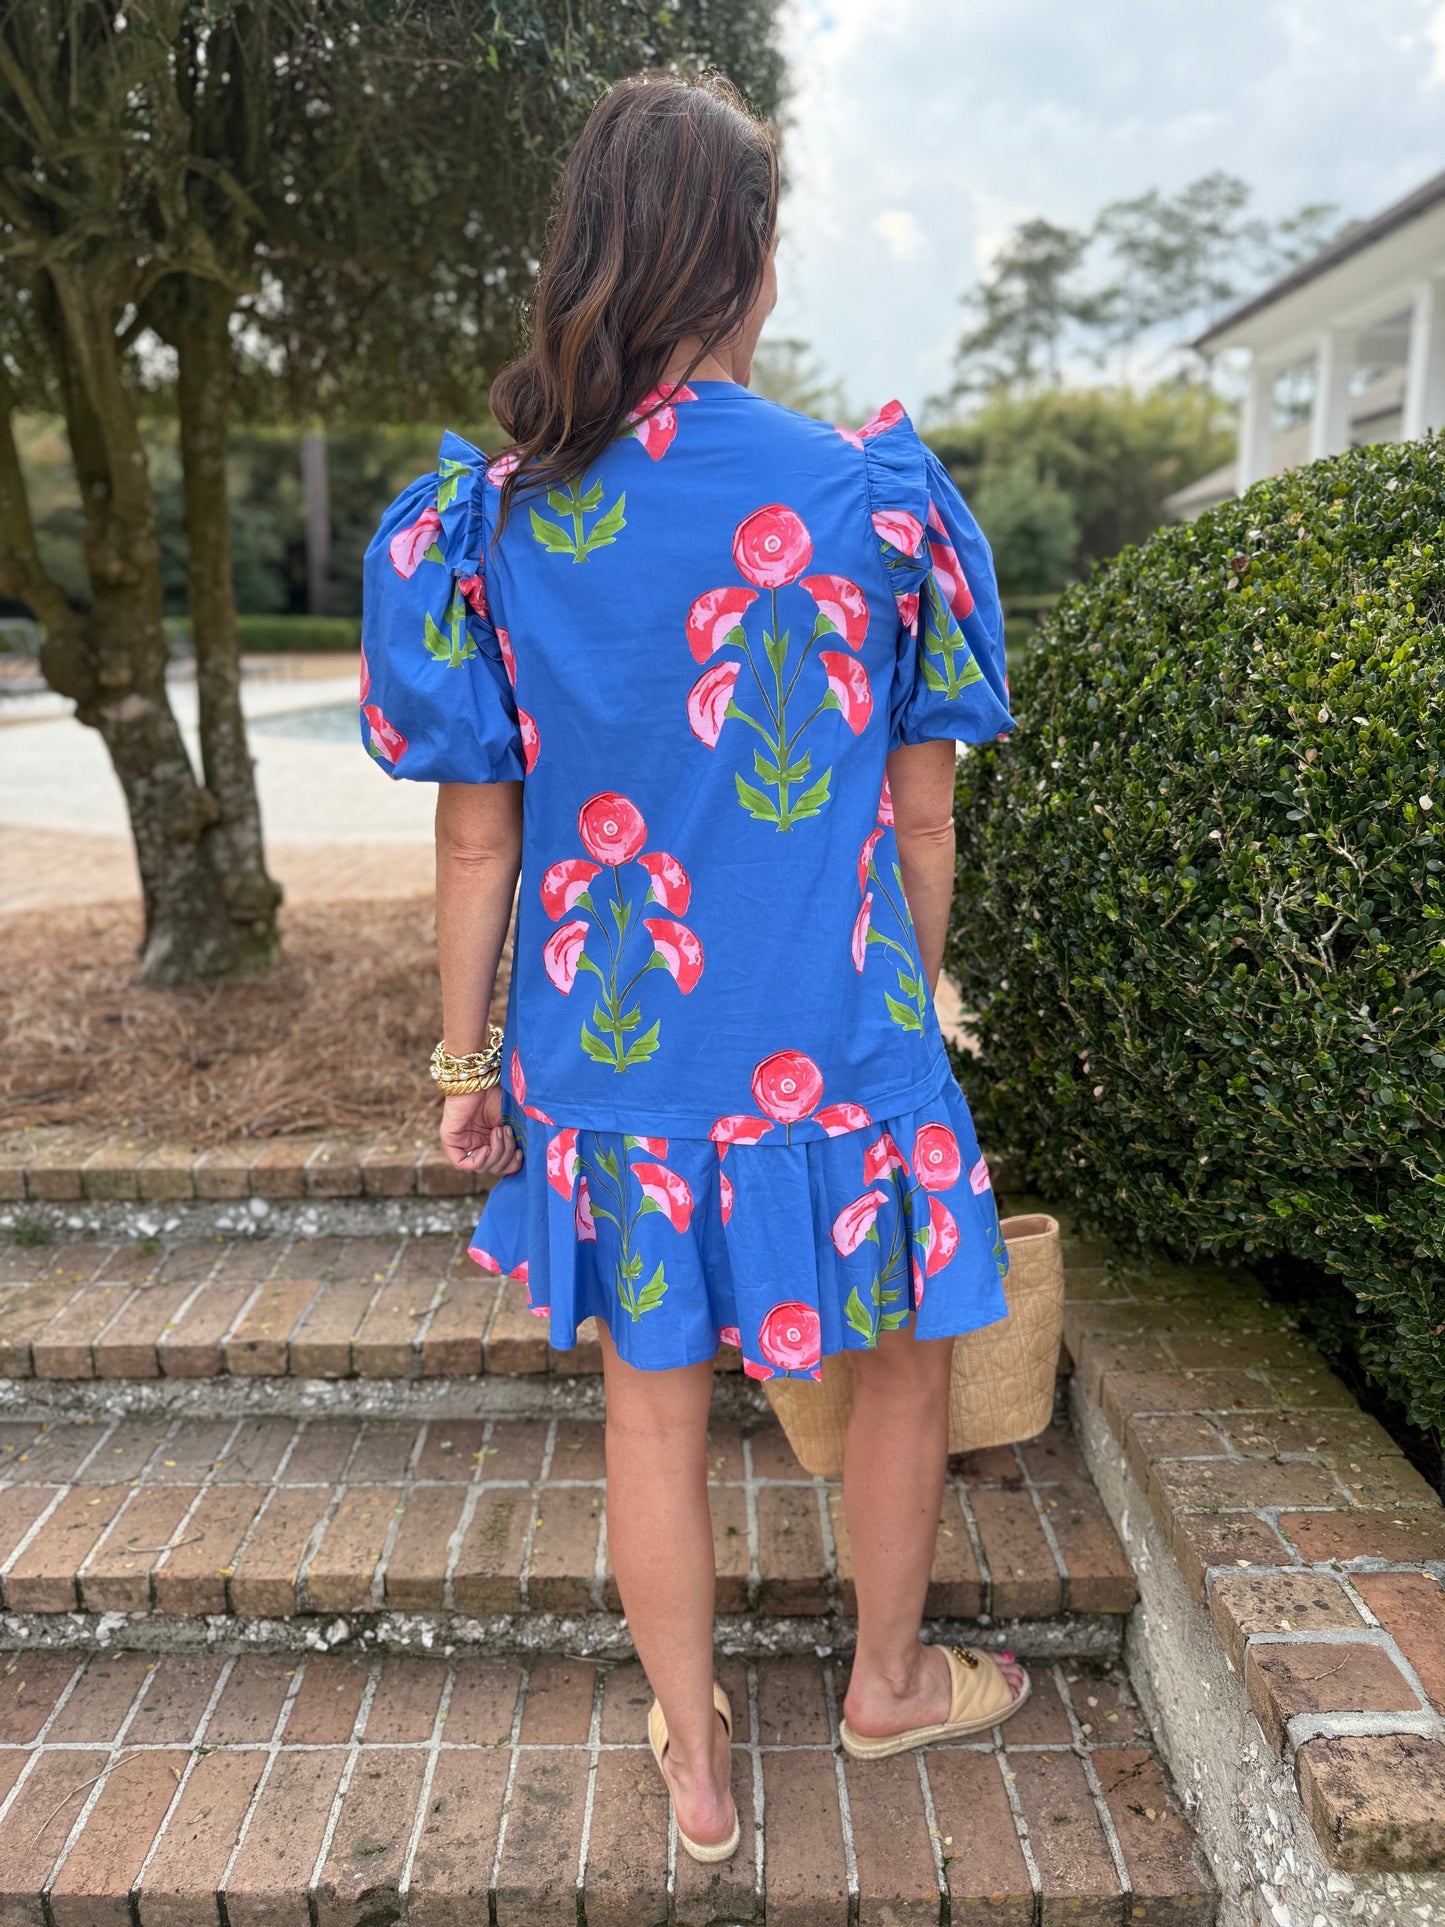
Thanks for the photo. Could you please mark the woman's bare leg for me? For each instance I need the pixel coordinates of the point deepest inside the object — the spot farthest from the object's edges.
(894, 1463)
(659, 1532)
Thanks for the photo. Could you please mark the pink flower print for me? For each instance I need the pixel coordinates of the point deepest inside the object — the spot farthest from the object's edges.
(473, 591)
(582, 1219)
(936, 1161)
(386, 739)
(908, 611)
(714, 616)
(365, 677)
(668, 1193)
(860, 933)
(519, 1272)
(917, 1285)
(531, 741)
(882, 1157)
(947, 568)
(885, 805)
(888, 416)
(564, 882)
(678, 948)
(730, 1335)
(752, 1370)
(671, 886)
(502, 467)
(855, 1221)
(708, 699)
(787, 1086)
(790, 1337)
(899, 530)
(655, 419)
(838, 1119)
(843, 603)
(509, 661)
(738, 1130)
(655, 1147)
(943, 1236)
(562, 952)
(865, 856)
(539, 1311)
(726, 1198)
(408, 546)
(772, 547)
(519, 1091)
(484, 1259)
(562, 1162)
(979, 1179)
(848, 680)
(611, 828)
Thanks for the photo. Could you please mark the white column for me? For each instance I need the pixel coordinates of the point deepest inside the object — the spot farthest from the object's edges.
(1330, 410)
(1425, 362)
(1256, 425)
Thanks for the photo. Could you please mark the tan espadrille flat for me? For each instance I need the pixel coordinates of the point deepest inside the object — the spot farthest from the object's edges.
(657, 1735)
(981, 1698)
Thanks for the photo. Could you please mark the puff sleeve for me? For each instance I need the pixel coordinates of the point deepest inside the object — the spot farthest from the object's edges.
(950, 683)
(437, 703)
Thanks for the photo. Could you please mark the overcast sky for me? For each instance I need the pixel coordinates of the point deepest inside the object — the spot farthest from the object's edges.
(922, 130)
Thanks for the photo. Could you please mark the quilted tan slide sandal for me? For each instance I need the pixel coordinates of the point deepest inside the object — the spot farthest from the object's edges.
(657, 1735)
(981, 1698)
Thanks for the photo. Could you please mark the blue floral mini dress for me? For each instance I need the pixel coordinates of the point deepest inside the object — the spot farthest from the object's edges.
(722, 1062)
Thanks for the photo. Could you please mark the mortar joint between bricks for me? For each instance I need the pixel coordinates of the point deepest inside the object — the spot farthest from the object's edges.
(594, 1745)
(433, 1753)
(1046, 1526)
(193, 1757)
(117, 1751)
(272, 1750)
(1304, 1727)
(1096, 1791)
(343, 1785)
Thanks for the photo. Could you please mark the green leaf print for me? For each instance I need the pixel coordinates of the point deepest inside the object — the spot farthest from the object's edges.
(758, 806)
(858, 1315)
(943, 646)
(575, 505)
(455, 646)
(450, 474)
(812, 799)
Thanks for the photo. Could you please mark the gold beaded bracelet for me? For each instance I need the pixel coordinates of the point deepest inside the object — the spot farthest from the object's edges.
(479, 1070)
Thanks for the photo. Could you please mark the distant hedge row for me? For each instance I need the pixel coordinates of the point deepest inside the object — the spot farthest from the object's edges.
(1201, 910)
(282, 633)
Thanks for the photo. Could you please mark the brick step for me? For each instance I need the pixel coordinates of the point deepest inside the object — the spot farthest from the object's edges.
(253, 1519)
(375, 1307)
(353, 1792)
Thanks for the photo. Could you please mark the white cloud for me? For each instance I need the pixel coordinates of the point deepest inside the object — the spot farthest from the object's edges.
(901, 232)
(922, 130)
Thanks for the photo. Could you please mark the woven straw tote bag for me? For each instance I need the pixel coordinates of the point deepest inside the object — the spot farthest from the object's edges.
(1002, 1387)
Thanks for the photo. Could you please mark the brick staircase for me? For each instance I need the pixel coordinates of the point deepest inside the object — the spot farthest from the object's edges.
(309, 1616)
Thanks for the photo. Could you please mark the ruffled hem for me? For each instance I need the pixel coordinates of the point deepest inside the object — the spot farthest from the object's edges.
(679, 1244)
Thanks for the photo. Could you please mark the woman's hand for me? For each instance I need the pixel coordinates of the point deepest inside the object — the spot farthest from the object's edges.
(474, 1136)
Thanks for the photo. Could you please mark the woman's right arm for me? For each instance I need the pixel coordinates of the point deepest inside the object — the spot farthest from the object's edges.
(478, 856)
(920, 780)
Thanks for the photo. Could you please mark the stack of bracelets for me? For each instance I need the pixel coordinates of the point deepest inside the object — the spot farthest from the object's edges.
(479, 1070)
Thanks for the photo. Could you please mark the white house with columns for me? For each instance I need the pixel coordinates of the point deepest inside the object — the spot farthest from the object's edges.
(1360, 328)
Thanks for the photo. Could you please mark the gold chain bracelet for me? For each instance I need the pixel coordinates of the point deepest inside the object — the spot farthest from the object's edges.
(479, 1070)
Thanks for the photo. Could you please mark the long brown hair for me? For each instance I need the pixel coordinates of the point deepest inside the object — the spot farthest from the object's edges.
(665, 214)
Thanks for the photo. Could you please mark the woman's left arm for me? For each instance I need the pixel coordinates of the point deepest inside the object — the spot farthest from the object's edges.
(478, 856)
(920, 780)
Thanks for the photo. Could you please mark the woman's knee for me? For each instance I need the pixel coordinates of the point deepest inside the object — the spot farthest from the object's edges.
(902, 1367)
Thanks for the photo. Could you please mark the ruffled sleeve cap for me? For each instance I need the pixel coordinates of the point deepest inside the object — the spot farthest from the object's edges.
(952, 681)
(437, 699)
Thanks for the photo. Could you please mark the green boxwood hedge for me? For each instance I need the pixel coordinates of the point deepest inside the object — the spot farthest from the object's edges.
(281, 633)
(1200, 906)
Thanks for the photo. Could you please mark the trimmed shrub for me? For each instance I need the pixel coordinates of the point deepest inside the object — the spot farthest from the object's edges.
(281, 633)
(1200, 905)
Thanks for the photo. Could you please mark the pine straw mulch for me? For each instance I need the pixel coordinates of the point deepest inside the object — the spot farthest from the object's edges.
(335, 1038)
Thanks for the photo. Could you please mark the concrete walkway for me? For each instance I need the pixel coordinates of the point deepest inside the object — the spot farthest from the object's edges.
(335, 826)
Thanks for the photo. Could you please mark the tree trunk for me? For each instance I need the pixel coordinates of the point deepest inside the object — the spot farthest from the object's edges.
(112, 661)
(316, 495)
(202, 340)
